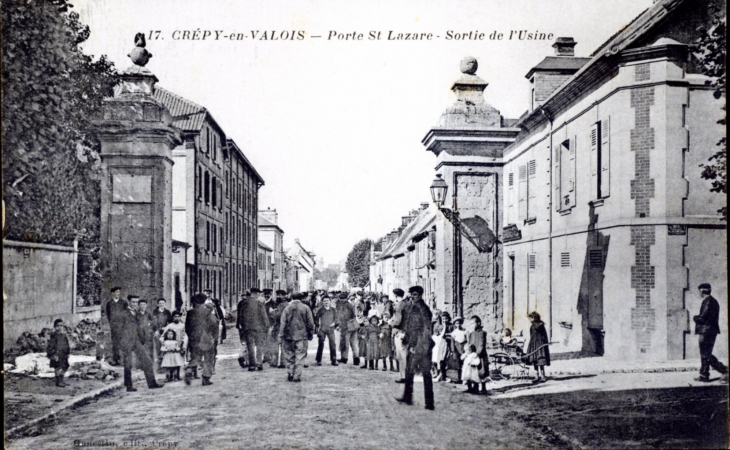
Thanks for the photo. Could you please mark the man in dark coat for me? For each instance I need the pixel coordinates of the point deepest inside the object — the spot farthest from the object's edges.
(325, 321)
(348, 338)
(146, 324)
(130, 343)
(296, 329)
(253, 324)
(419, 344)
(277, 355)
(201, 326)
(113, 309)
(267, 298)
(708, 327)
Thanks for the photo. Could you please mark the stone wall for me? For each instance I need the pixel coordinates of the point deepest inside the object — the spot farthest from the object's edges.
(39, 287)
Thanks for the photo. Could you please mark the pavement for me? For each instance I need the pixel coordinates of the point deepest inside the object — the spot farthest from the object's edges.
(335, 407)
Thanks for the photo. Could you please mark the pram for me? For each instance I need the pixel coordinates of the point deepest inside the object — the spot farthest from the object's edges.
(510, 360)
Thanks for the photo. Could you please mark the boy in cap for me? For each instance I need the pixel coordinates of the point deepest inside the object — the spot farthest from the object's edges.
(58, 350)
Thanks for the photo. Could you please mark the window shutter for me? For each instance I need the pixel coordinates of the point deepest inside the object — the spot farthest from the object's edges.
(565, 259)
(605, 157)
(531, 282)
(558, 200)
(531, 188)
(594, 161)
(522, 192)
(571, 173)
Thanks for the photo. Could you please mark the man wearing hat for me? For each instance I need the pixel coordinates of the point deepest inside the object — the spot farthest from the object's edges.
(420, 345)
(130, 343)
(297, 328)
(708, 327)
(253, 324)
(348, 338)
(398, 322)
(201, 327)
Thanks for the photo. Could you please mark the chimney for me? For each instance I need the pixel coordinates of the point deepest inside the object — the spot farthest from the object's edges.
(564, 46)
(553, 71)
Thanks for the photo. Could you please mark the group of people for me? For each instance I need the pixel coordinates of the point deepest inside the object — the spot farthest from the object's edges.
(402, 332)
(159, 339)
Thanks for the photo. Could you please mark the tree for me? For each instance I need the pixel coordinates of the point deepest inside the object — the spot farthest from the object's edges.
(358, 263)
(51, 92)
(710, 52)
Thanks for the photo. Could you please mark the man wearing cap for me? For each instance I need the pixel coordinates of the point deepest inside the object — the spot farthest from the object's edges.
(398, 322)
(130, 343)
(201, 327)
(420, 345)
(269, 303)
(253, 324)
(348, 338)
(297, 328)
(113, 309)
(708, 327)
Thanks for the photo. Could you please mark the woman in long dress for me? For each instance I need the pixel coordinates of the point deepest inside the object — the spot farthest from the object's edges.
(538, 351)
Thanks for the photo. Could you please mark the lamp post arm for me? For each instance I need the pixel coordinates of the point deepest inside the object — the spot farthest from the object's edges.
(453, 217)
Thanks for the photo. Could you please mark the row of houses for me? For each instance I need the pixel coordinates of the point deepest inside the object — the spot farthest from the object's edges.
(590, 208)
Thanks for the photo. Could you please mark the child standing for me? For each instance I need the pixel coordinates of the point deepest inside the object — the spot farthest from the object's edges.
(385, 347)
(470, 370)
(372, 330)
(58, 350)
(172, 358)
(178, 328)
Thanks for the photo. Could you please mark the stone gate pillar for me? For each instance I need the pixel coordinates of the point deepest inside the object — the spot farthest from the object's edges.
(468, 141)
(136, 187)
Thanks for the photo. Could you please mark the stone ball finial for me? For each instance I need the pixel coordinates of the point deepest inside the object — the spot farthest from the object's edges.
(469, 65)
(139, 55)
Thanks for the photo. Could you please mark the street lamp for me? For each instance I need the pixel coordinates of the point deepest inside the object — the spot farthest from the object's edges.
(439, 188)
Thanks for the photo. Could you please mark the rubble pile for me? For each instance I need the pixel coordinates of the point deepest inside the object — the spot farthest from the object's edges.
(93, 370)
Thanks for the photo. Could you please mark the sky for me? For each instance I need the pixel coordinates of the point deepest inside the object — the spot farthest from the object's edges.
(334, 125)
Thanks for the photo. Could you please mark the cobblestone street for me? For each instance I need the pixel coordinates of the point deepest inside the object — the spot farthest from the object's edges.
(345, 406)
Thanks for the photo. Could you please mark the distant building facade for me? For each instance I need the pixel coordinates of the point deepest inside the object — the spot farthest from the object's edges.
(305, 267)
(273, 236)
(265, 266)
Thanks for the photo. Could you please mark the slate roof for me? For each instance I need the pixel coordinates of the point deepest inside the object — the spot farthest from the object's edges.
(558, 63)
(422, 222)
(187, 115)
